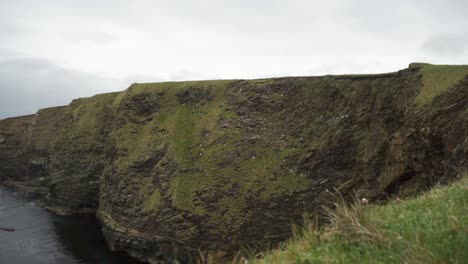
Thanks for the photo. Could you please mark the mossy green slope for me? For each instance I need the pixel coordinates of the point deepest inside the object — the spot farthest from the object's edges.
(78, 153)
(179, 152)
(438, 78)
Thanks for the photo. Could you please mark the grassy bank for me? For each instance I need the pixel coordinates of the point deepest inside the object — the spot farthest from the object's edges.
(430, 228)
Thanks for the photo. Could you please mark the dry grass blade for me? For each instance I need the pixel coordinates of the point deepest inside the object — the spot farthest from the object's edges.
(351, 223)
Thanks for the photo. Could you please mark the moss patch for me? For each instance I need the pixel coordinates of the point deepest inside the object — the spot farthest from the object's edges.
(152, 202)
(436, 79)
(182, 188)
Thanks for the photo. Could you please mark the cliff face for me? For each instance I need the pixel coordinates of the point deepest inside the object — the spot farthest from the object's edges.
(174, 167)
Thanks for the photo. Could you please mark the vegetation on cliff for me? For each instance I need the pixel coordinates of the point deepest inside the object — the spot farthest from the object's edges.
(437, 79)
(429, 228)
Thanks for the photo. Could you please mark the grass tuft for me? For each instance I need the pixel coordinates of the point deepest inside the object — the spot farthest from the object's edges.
(351, 223)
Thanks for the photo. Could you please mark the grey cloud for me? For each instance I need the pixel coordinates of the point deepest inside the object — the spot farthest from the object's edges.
(28, 84)
(114, 11)
(9, 29)
(98, 37)
(143, 78)
(182, 75)
(446, 44)
(4, 53)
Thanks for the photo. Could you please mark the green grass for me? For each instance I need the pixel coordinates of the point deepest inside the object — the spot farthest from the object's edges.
(430, 228)
(437, 79)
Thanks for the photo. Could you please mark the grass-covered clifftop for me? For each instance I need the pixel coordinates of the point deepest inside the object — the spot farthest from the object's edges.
(175, 167)
(429, 228)
(437, 79)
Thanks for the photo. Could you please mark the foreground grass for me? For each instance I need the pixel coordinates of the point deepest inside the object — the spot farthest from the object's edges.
(430, 228)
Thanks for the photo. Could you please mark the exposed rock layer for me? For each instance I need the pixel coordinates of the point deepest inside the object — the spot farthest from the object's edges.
(174, 167)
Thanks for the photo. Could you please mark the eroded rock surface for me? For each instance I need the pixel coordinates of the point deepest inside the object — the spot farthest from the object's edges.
(171, 168)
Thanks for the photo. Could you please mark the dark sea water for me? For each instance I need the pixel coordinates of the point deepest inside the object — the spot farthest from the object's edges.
(42, 237)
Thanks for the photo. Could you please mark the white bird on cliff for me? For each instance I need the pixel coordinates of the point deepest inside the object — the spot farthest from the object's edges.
(364, 201)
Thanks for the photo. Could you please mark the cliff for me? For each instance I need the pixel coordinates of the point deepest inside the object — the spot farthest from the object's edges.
(171, 168)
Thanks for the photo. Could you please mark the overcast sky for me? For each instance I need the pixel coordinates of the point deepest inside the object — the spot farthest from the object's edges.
(54, 51)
